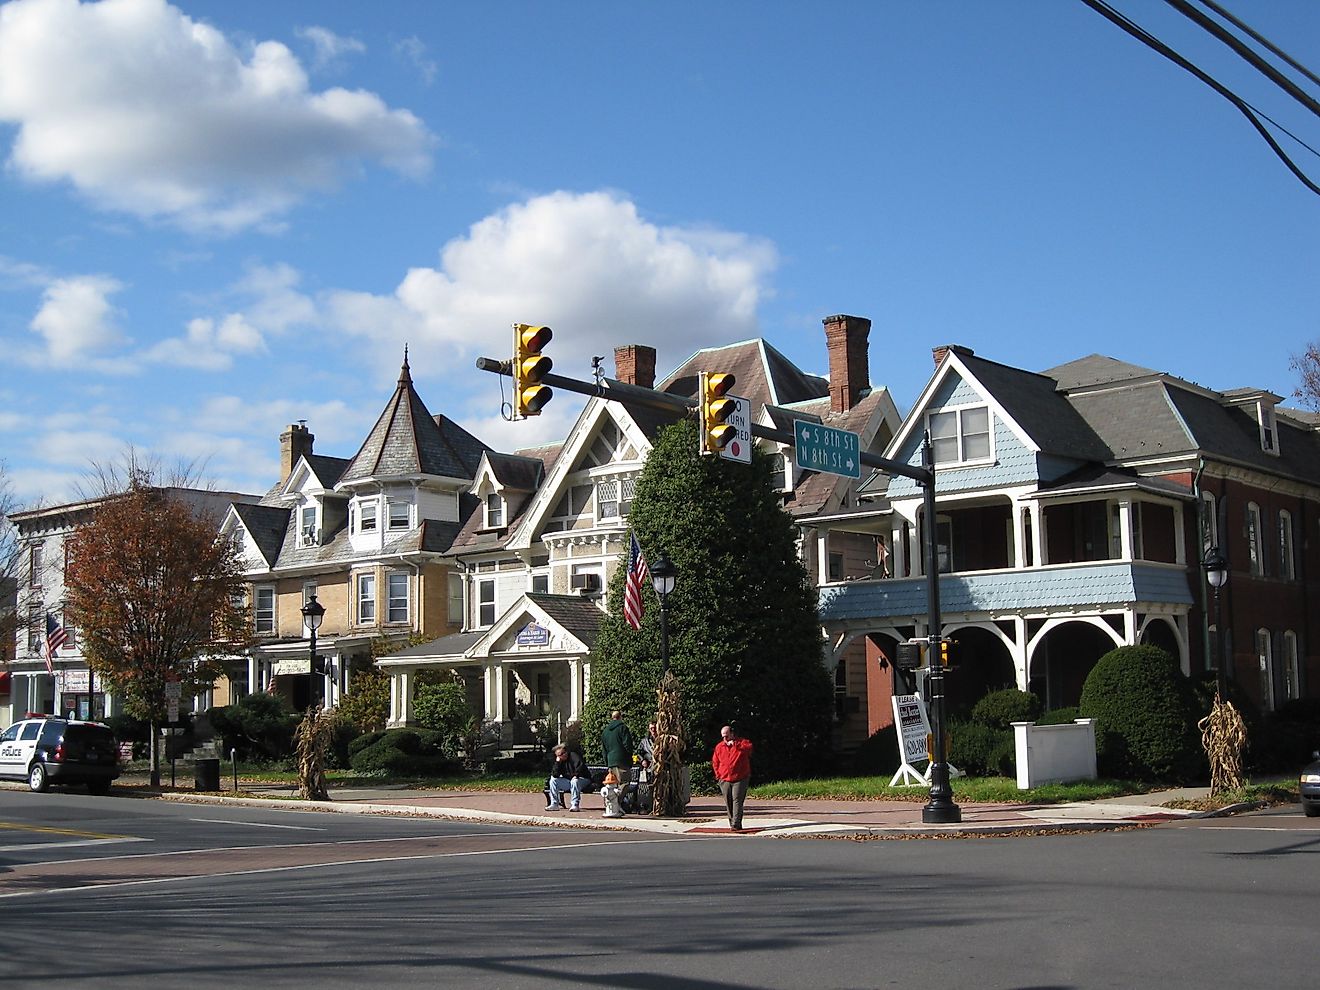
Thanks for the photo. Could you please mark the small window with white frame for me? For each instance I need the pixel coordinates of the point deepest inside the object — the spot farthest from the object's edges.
(1269, 429)
(1292, 684)
(1265, 655)
(485, 603)
(960, 436)
(779, 472)
(607, 499)
(366, 599)
(1255, 549)
(455, 599)
(263, 609)
(396, 596)
(1287, 566)
(36, 557)
(400, 517)
(367, 517)
(307, 526)
(494, 510)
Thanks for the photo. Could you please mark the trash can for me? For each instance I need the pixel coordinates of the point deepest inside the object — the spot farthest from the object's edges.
(207, 774)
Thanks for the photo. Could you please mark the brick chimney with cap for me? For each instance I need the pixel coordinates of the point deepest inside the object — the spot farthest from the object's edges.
(634, 364)
(295, 442)
(939, 353)
(850, 375)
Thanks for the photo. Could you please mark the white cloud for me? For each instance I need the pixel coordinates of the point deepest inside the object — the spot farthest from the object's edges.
(147, 111)
(332, 422)
(76, 317)
(327, 45)
(413, 51)
(209, 345)
(585, 264)
(80, 447)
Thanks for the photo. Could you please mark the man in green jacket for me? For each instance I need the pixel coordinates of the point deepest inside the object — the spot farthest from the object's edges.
(618, 744)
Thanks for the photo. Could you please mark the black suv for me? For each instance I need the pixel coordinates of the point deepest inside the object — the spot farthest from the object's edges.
(45, 751)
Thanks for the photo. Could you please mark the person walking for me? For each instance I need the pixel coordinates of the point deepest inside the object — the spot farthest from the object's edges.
(617, 742)
(732, 763)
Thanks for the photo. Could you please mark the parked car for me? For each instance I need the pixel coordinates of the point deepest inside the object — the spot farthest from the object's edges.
(51, 750)
(1310, 788)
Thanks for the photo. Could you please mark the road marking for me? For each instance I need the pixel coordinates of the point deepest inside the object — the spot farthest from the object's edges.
(52, 830)
(227, 821)
(66, 845)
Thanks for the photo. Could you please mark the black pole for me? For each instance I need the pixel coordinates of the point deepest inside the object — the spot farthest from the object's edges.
(664, 636)
(316, 690)
(1221, 675)
(940, 810)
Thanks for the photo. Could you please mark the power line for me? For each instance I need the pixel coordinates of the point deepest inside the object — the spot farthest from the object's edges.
(1261, 40)
(1253, 116)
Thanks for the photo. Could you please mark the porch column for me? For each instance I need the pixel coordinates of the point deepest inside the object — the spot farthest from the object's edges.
(1125, 530)
(1020, 524)
(575, 692)
(494, 677)
(254, 675)
(1130, 627)
(1038, 550)
(1179, 537)
(400, 697)
(1020, 665)
(822, 556)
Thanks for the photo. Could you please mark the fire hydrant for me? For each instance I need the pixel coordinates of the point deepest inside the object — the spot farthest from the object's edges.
(610, 791)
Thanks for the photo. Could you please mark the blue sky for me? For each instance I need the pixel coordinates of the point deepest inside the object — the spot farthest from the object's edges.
(220, 218)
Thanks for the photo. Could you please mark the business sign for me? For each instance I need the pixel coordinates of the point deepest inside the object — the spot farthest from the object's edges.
(533, 634)
(823, 448)
(913, 727)
(740, 447)
(73, 681)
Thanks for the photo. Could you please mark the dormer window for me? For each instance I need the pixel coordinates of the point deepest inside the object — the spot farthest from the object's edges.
(960, 436)
(307, 535)
(367, 517)
(494, 510)
(399, 515)
(1269, 433)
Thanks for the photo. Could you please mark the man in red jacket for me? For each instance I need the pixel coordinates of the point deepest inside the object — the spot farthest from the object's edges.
(732, 763)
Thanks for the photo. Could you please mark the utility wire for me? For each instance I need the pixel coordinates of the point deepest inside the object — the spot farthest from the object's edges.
(1256, 62)
(1253, 116)
(1261, 40)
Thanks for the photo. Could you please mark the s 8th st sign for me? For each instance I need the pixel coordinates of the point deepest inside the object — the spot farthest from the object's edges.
(823, 448)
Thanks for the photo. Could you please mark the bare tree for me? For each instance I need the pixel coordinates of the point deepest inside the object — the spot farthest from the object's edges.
(1307, 366)
(9, 615)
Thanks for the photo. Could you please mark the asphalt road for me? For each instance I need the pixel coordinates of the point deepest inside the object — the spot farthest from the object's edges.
(117, 892)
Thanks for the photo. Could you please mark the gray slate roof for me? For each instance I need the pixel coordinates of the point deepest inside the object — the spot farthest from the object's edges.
(406, 441)
(1096, 369)
(516, 471)
(453, 645)
(574, 613)
(266, 524)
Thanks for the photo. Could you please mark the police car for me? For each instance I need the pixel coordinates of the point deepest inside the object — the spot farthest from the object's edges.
(50, 750)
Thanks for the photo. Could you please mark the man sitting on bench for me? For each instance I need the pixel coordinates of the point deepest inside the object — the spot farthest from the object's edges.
(569, 774)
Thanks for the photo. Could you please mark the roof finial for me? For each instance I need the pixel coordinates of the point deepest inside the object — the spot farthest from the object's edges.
(405, 376)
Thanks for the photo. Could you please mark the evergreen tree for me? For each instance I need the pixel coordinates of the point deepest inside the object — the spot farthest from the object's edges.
(744, 633)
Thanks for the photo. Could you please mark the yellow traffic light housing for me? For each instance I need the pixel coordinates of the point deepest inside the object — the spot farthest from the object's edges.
(716, 408)
(944, 652)
(529, 367)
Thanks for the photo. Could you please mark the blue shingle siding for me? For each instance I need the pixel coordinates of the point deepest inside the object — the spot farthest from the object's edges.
(1014, 463)
(1097, 584)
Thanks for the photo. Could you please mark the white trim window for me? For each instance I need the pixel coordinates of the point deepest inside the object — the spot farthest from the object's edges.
(486, 603)
(779, 472)
(1287, 566)
(307, 526)
(1292, 683)
(494, 510)
(960, 436)
(455, 599)
(1265, 654)
(1209, 522)
(1269, 430)
(367, 517)
(263, 609)
(1254, 548)
(366, 599)
(36, 557)
(400, 515)
(396, 596)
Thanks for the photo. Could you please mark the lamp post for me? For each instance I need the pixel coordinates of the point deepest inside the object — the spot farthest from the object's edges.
(313, 612)
(663, 575)
(1216, 572)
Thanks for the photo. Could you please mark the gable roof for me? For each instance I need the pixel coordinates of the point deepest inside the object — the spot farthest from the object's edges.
(761, 374)
(406, 441)
(577, 615)
(266, 524)
(1096, 369)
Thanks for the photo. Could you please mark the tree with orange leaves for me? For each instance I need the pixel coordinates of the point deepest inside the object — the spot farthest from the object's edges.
(156, 592)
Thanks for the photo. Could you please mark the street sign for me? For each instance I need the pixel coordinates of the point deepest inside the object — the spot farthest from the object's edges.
(173, 692)
(740, 447)
(823, 448)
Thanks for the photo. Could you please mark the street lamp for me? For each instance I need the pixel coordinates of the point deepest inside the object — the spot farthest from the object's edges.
(1216, 572)
(313, 612)
(663, 575)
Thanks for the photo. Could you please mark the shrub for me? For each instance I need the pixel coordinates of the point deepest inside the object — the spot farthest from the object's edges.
(1145, 714)
(259, 726)
(878, 755)
(982, 750)
(702, 778)
(363, 741)
(403, 753)
(999, 709)
(443, 708)
(344, 735)
(367, 704)
(1059, 716)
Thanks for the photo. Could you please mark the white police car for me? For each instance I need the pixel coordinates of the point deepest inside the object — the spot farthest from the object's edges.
(50, 750)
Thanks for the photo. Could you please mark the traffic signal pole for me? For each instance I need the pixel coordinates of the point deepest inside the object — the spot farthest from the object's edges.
(941, 809)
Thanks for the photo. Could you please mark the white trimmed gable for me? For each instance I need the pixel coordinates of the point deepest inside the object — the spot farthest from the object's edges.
(502, 638)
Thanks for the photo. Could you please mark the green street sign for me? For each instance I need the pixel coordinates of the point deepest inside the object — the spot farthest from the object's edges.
(823, 448)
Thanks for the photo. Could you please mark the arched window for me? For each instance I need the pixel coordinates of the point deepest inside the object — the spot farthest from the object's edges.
(1265, 654)
(1254, 548)
(1287, 569)
(1292, 684)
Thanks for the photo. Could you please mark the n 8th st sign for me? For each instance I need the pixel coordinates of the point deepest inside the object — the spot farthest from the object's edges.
(823, 448)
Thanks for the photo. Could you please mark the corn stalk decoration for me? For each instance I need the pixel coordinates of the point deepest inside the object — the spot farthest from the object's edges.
(667, 790)
(1223, 734)
(313, 739)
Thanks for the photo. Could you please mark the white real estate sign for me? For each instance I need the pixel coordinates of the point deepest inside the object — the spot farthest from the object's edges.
(913, 728)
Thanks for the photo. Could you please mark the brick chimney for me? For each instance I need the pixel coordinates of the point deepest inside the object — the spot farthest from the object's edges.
(295, 442)
(634, 364)
(939, 353)
(850, 376)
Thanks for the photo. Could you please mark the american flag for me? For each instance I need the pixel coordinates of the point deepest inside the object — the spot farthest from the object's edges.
(55, 638)
(638, 575)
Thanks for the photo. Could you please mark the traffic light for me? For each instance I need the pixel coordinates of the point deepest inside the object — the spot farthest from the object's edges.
(529, 367)
(716, 408)
(944, 652)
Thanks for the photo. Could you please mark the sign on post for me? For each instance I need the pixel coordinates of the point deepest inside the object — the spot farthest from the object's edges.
(740, 447)
(913, 727)
(823, 448)
(173, 692)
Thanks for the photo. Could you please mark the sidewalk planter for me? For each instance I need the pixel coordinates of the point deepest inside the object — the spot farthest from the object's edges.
(1051, 754)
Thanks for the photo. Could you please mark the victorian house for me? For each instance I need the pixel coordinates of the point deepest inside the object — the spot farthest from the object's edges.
(1076, 509)
(534, 559)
